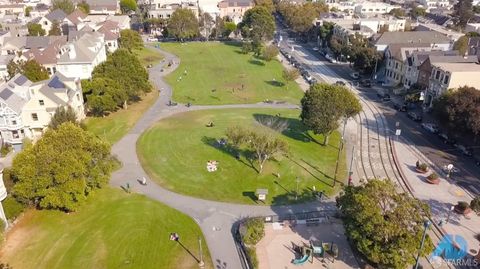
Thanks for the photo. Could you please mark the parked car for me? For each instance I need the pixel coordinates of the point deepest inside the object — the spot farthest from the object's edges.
(315, 48)
(312, 81)
(446, 139)
(463, 150)
(431, 127)
(386, 97)
(307, 76)
(414, 116)
(366, 83)
(399, 106)
(340, 83)
(355, 75)
(152, 39)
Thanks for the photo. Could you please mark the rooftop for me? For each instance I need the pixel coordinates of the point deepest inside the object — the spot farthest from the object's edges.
(459, 67)
(429, 37)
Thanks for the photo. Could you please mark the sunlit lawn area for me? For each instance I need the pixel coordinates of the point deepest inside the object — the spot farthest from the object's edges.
(175, 152)
(148, 56)
(112, 230)
(217, 73)
(114, 126)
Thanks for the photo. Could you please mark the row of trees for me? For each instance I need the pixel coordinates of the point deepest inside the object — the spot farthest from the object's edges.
(300, 17)
(459, 109)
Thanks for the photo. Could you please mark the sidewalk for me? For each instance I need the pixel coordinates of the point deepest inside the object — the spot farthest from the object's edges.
(440, 197)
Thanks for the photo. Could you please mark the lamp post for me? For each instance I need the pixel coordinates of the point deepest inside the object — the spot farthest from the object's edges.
(200, 263)
(426, 224)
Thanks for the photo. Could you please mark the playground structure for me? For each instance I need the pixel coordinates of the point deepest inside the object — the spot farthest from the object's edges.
(316, 248)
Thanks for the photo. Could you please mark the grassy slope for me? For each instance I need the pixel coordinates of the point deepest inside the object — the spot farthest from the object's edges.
(222, 68)
(175, 152)
(148, 56)
(113, 230)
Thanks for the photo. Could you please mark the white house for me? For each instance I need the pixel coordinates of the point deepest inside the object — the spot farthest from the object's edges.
(26, 108)
(81, 56)
(46, 21)
(435, 4)
(373, 8)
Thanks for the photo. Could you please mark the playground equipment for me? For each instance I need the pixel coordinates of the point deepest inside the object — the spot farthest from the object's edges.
(306, 254)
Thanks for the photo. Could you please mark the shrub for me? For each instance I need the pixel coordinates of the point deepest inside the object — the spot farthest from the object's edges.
(270, 52)
(246, 47)
(253, 231)
(423, 167)
(6, 148)
(12, 207)
(432, 176)
(252, 255)
(462, 205)
(475, 204)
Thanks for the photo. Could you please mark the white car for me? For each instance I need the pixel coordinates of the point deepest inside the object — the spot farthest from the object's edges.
(315, 49)
(355, 75)
(152, 39)
(431, 127)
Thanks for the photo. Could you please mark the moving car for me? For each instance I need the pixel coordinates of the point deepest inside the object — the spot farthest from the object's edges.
(414, 116)
(355, 75)
(152, 39)
(431, 127)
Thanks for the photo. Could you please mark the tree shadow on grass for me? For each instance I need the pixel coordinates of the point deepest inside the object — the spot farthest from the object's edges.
(311, 173)
(256, 62)
(275, 83)
(235, 153)
(290, 127)
(288, 198)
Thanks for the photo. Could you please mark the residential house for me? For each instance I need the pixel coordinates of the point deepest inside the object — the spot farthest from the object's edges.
(435, 4)
(75, 18)
(81, 56)
(123, 21)
(435, 39)
(4, 60)
(46, 21)
(18, 45)
(446, 76)
(165, 11)
(110, 7)
(396, 60)
(111, 32)
(10, 9)
(15, 26)
(47, 57)
(366, 9)
(26, 108)
(234, 9)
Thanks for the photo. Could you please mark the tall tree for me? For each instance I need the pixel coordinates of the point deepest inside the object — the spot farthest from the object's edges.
(264, 144)
(66, 5)
(130, 40)
(104, 95)
(35, 29)
(55, 30)
(31, 69)
(461, 45)
(229, 27)
(398, 12)
(462, 12)
(417, 12)
(62, 168)
(84, 7)
(183, 24)
(268, 4)
(258, 24)
(125, 68)
(62, 115)
(384, 225)
(128, 5)
(324, 105)
(28, 10)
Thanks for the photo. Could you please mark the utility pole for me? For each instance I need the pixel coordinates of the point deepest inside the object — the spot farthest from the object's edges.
(426, 224)
(350, 170)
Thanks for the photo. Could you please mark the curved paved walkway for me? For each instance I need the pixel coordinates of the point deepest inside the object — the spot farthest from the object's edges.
(214, 218)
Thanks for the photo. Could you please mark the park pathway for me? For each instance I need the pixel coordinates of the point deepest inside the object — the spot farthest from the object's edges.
(216, 219)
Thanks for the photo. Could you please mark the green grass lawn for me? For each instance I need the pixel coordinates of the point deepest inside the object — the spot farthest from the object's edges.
(148, 56)
(175, 152)
(217, 73)
(113, 230)
(114, 126)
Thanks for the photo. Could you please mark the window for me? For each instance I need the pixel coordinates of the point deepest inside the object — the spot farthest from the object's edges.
(34, 117)
(445, 80)
(14, 122)
(15, 134)
(437, 75)
(78, 97)
(41, 102)
(396, 65)
(46, 23)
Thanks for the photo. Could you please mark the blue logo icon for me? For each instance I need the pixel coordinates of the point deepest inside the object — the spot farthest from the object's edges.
(451, 248)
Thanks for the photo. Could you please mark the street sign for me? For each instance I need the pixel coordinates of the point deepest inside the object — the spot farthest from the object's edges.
(398, 132)
(397, 123)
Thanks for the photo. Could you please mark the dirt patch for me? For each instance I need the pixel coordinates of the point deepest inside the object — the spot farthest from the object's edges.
(18, 235)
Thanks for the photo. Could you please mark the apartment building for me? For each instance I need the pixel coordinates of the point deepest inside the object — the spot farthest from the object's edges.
(234, 9)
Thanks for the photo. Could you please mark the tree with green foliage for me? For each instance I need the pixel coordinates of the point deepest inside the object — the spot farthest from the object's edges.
(130, 40)
(324, 105)
(62, 115)
(31, 69)
(475, 204)
(258, 24)
(263, 143)
(28, 10)
(417, 12)
(183, 24)
(385, 226)
(365, 58)
(268, 4)
(55, 30)
(128, 5)
(35, 29)
(270, 52)
(398, 12)
(62, 168)
(462, 12)
(326, 32)
(300, 17)
(66, 5)
(125, 68)
(290, 75)
(229, 27)
(461, 45)
(104, 95)
(84, 7)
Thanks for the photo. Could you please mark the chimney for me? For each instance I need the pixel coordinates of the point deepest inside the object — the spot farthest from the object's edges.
(71, 52)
